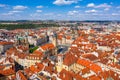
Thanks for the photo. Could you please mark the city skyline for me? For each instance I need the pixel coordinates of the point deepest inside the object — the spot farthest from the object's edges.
(59, 10)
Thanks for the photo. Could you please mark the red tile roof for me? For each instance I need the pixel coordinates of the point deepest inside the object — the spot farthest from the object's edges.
(90, 57)
(92, 66)
(85, 70)
(22, 77)
(2, 67)
(7, 72)
(48, 46)
(34, 69)
(39, 66)
(11, 50)
(65, 75)
(22, 55)
(69, 59)
(94, 78)
(60, 37)
(6, 43)
(68, 37)
(37, 52)
(24, 48)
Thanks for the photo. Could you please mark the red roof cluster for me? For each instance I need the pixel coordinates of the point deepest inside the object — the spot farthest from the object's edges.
(48, 46)
(92, 66)
(69, 59)
(5, 43)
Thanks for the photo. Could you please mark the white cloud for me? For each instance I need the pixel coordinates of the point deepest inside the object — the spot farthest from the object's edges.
(12, 12)
(77, 6)
(104, 5)
(39, 11)
(115, 14)
(39, 6)
(19, 7)
(111, 2)
(73, 12)
(91, 5)
(106, 9)
(64, 2)
(7, 14)
(3, 5)
(49, 14)
(118, 7)
(91, 11)
(59, 15)
(35, 15)
(15, 11)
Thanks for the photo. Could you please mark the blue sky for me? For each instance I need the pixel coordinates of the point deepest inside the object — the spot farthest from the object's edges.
(59, 10)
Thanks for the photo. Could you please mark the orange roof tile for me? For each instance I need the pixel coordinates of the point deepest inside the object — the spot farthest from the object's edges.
(94, 78)
(34, 69)
(37, 52)
(65, 75)
(21, 55)
(7, 72)
(39, 66)
(22, 76)
(69, 59)
(89, 65)
(85, 70)
(68, 37)
(2, 67)
(24, 48)
(48, 46)
(5, 43)
(90, 57)
(60, 37)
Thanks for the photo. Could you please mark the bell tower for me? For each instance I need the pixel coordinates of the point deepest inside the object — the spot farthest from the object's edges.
(55, 41)
(59, 62)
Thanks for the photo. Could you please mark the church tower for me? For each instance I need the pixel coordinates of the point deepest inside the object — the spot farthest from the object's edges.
(54, 41)
(59, 62)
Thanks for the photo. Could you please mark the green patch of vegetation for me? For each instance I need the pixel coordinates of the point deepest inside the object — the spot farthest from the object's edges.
(26, 26)
(33, 49)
